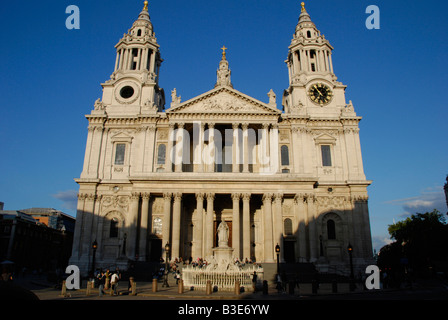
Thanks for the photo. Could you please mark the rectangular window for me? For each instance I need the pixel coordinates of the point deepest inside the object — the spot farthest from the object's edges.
(119, 153)
(326, 155)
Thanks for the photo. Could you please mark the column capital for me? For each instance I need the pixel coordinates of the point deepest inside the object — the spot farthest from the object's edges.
(236, 196)
(210, 196)
(246, 196)
(200, 196)
(244, 126)
(180, 125)
(267, 196)
(235, 125)
(211, 125)
(177, 196)
(278, 197)
(135, 195)
(167, 195)
(146, 195)
(266, 125)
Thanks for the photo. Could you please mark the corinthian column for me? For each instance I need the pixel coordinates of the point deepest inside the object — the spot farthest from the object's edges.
(132, 224)
(267, 222)
(246, 225)
(176, 224)
(209, 225)
(198, 227)
(235, 149)
(144, 225)
(278, 221)
(236, 224)
(166, 221)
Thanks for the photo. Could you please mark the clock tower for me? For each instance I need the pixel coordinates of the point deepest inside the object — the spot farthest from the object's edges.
(313, 88)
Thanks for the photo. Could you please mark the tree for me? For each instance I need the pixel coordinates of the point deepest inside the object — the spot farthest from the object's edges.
(420, 241)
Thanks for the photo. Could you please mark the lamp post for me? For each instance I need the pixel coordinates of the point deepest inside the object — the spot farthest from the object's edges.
(277, 250)
(350, 252)
(165, 276)
(94, 247)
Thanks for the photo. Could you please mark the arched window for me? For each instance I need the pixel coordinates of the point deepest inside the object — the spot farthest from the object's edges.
(284, 155)
(331, 229)
(308, 34)
(139, 32)
(288, 227)
(161, 154)
(113, 231)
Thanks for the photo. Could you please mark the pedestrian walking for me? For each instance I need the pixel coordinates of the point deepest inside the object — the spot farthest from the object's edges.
(114, 283)
(101, 283)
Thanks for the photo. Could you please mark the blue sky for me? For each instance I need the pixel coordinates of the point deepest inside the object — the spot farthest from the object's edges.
(396, 78)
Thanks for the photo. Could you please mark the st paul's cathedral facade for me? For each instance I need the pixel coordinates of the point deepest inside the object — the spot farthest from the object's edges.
(157, 174)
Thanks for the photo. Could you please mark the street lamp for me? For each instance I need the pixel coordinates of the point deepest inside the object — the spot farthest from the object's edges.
(350, 252)
(94, 247)
(165, 276)
(277, 250)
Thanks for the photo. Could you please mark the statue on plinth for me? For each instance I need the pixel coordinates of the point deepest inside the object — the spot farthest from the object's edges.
(223, 235)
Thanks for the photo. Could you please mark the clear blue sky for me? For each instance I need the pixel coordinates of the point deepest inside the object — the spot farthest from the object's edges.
(396, 78)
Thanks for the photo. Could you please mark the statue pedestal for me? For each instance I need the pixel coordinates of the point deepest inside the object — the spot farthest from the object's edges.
(223, 254)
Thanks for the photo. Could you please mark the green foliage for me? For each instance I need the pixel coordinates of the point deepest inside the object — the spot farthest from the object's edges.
(421, 239)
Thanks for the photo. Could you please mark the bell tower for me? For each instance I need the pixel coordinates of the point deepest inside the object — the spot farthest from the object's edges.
(133, 87)
(312, 83)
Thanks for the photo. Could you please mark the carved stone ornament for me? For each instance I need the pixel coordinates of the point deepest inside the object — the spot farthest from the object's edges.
(116, 201)
(99, 105)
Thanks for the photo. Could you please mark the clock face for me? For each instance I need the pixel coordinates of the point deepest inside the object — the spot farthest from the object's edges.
(320, 93)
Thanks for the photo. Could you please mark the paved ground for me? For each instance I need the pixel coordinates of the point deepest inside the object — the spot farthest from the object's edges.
(422, 290)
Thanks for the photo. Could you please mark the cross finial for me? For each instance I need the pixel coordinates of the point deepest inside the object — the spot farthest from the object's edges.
(303, 6)
(224, 52)
(145, 8)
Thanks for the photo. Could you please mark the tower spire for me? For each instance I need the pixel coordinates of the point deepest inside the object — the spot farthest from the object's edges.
(223, 73)
(224, 52)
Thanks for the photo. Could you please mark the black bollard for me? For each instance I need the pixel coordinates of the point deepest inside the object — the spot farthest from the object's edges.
(314, 286)
(265, 287)
(334, 286)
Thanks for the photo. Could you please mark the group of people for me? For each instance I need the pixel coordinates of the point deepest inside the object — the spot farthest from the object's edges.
(106, 278)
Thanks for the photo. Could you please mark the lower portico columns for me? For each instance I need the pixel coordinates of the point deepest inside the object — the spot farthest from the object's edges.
(144, 225)
(246, 226)
(176, 225)
(132, 224)
(236, 225)
(166, 221)
(267, 223)
(198, 234)
(209, 225)
(278, 224)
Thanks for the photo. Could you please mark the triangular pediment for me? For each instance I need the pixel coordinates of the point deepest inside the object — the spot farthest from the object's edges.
(224, 100)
